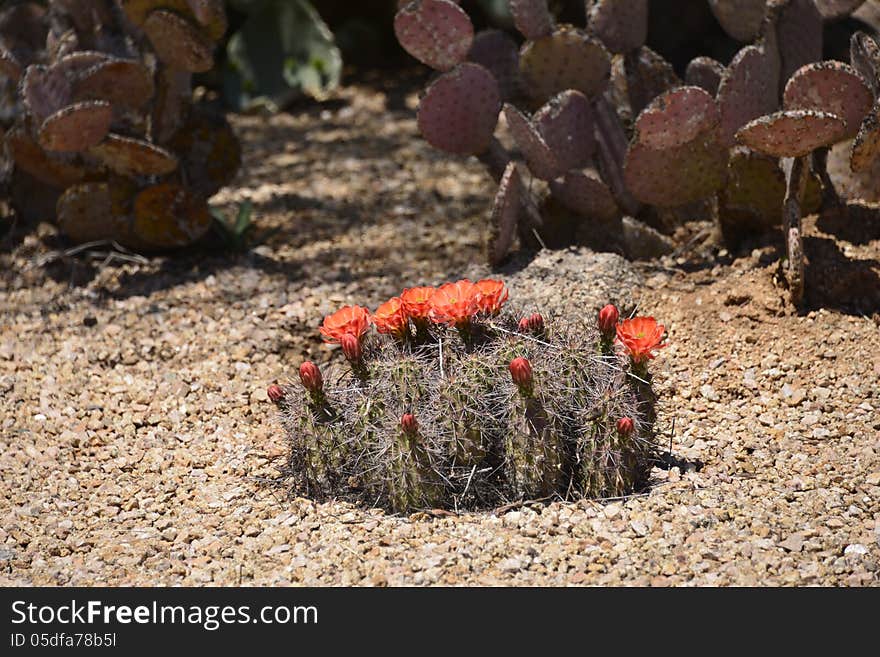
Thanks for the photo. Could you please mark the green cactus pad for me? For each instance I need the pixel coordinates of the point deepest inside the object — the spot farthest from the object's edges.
(566, 124)
(749, 89)
(123, 82)
(436, 32)
(540, 158)
(505, 213)
(459, 111)
(179, 42)
(704, 72)
(676, 156)
(832, 87)
(741, 19)
(791, 133)
(866, 145)
(622, 25)
(584, 192)
(531, 17)
(498, 53)
(77, 126)
(567, 59)
(128, 156)
(648, 75)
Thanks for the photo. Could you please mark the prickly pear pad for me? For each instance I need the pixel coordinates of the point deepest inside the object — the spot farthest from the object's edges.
(476, 411)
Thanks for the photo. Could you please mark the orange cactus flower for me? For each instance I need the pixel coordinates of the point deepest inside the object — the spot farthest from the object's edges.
(417, 302)
(391, 317)
(455, 303)
(350, 320)
(493, 294)
(640, 336)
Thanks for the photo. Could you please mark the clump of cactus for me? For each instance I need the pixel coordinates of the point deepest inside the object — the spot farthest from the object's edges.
(603, 127)
(455, 402)
(100, 127)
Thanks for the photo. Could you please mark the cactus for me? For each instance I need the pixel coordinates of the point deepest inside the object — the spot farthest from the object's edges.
(103, 121)
(479, 410)
(606, 134)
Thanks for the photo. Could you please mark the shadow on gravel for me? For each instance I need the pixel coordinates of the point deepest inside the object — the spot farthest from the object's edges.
(856, 222)
(837, 282)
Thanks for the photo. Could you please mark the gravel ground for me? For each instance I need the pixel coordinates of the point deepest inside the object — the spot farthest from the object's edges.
(138, 446)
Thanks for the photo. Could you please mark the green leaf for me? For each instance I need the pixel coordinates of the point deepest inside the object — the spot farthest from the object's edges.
(282, 47)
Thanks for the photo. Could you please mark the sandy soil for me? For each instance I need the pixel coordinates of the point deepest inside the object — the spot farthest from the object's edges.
(138, 445)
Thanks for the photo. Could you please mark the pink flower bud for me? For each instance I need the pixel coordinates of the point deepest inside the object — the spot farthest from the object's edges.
(536, 324)
(608, 317)
(351, 347)
(276, 394)
(311, 377)
(523, 326)
(625, 426)
(409, 424)
(521, 372)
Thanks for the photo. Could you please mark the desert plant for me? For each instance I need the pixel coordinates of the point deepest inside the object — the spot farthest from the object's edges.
(282, 49)
(604, 128)
(455, 402)
(104, 128)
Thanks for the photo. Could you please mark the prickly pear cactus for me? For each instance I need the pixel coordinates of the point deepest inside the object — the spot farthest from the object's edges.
(455, 402)
(102, 121)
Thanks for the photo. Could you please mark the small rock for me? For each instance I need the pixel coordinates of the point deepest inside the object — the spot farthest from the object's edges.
(513, 564)
(855, 548)
(873, 479)
(643, 242)
(709, 392)
(793, 543)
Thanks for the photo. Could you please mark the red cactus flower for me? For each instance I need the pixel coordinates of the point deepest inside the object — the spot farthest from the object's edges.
(492, 295)
(533, 324)
(536, 323)
(608, 318)
(640, 336)
(454, 303)
(351, 347)
(391, 318)
(625, 426)
(311, 377)
(409, 424)
(276, 394)
(521, 372)
(417, 302)
(350, 320)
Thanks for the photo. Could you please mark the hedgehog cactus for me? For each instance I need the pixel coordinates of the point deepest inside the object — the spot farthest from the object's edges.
(481, 409)
(103, 120)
